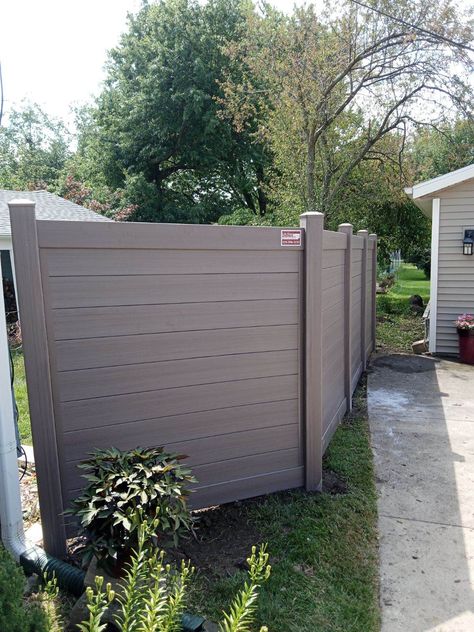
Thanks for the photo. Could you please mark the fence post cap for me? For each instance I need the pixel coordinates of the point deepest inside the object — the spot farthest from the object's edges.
(21, 202)
(345, 228)
(312, 214)
(363, 233)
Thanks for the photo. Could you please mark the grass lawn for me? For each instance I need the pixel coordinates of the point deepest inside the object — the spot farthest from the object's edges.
(397, 326)
(21, 397)
(323, 547)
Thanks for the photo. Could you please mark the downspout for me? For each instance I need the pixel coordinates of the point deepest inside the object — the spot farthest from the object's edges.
(30, 556)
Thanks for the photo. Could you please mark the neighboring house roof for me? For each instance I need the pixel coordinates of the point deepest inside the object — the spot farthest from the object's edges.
(423, 192)
(48, 206)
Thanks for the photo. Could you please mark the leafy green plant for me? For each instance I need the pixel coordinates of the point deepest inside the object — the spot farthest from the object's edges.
(119, 484)
(152, 595)
(15, 614)
(242, 610)
(97, 603)
(48, 600)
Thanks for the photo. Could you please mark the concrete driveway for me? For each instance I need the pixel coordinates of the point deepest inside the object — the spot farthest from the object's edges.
(421, 414)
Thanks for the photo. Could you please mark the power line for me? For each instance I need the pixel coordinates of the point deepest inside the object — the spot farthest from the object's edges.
(413, 26)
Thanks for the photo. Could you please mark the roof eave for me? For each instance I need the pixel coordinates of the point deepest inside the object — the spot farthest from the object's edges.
(431, 187)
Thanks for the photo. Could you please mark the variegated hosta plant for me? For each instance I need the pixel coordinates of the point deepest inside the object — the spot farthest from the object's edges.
(121, 485)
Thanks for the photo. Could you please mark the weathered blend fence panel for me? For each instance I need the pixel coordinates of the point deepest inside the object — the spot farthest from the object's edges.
(237, 346)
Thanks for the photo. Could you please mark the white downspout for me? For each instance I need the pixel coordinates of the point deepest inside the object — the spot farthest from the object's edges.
(11, 516)
(434, 273)
(31, 557)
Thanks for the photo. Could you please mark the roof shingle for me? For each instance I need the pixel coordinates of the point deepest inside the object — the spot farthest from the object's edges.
(48, 206)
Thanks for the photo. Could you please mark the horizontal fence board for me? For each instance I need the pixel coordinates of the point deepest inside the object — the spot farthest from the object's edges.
(120, 262)
(332, 346)
(137, 378)
(118, 409)
(356, 285)
(333, 258)
(146, 290)
(356, 373)
(164, 430)
(333, 424)
(52, 234)
(221, 448)
(332, 312)
(247, 487)
(332, 296)
(332, 404)
(357, 244)
(252, 465)
(119, 350)
(333, 276)
(334, 241)
(78, 323)
(333, 319)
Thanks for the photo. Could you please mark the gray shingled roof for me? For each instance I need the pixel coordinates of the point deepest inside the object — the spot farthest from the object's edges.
(48, 206)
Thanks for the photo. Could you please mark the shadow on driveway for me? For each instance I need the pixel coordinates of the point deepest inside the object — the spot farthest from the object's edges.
(421, 413)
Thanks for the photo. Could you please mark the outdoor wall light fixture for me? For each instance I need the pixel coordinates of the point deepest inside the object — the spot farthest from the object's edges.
(468, 242)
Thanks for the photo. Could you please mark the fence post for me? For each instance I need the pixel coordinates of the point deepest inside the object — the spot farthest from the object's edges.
(35, 345)
(313, 224)
(347, 229)
(363, 296)
(373, 238)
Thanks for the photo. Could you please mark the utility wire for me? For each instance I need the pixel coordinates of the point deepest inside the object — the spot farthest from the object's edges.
(413, 26)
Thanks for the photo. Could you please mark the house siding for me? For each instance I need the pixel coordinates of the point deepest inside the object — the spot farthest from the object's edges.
(455, 288)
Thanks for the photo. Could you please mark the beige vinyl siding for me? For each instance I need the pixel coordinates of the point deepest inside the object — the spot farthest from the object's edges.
(455, 270)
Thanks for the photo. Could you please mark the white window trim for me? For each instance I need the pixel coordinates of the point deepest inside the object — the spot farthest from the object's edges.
(434, 273)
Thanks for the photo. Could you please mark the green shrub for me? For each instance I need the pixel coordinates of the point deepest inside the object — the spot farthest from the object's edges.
(119, 484)
(421, 257)
(15, 615)
(152, 595)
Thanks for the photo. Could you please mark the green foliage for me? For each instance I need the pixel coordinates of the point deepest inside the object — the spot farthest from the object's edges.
(336, 91)
(421, 257)
(15, 615)
(444, 149)
(155, 133)
(153, 595)
(119, 484)
(97, 603)
(397, 326)
(33, 149)
(242, 610)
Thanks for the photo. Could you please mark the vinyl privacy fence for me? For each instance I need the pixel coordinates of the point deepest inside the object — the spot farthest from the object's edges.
(237, 346)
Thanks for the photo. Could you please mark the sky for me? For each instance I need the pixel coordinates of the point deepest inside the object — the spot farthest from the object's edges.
(53, 52)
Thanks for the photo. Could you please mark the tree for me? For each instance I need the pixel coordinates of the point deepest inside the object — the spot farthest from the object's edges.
(441, 150)
(33, 149)
(346, 86)
(155, 133)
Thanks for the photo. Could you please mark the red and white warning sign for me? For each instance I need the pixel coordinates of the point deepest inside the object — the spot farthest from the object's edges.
(290, 237)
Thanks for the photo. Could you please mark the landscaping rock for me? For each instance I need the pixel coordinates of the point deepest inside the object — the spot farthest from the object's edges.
(419, 347)
(78, 614)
